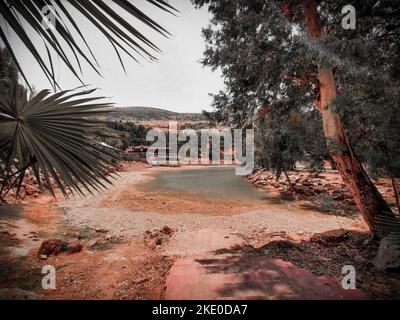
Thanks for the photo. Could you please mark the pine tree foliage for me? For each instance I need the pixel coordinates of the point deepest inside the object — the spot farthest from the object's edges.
(269, 62)
(8, 72)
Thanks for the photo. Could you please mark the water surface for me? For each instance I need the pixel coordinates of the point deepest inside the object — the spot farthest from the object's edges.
(211, 181)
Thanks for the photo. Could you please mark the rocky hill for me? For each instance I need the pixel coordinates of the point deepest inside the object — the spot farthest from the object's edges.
(151, 114)
(157, 118)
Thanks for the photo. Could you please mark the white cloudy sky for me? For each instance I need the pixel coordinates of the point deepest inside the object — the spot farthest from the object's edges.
(177, 82)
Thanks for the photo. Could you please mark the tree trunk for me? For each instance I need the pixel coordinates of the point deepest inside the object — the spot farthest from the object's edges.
(332, 164)
(396, 194)
(366, 196)
(289, 182)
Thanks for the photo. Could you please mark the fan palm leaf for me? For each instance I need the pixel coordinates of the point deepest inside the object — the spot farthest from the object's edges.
(389, 250)
(54, 135)
(65, 37)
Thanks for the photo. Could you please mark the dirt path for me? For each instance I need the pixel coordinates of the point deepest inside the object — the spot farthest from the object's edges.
(212, 266)
(203, 225)
(148, 243)
(127, 256)
(228, 277)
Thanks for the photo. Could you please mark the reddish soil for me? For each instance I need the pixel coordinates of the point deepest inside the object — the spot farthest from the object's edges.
(105, 269)
(136, 267)
(250, 277)
(175, 203)
(326, 259)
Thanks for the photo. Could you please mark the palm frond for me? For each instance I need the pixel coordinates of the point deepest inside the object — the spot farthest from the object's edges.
(53, 135)
(64, 36)
(388, 255)
(387, 226)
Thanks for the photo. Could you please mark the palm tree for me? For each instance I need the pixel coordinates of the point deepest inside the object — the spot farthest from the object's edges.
(55, 22)
(52, 134)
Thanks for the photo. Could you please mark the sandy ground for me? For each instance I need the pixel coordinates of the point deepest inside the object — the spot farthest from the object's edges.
(125, 254)
(126, 210)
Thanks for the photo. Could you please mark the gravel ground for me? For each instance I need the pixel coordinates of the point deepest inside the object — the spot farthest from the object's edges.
(87, 212)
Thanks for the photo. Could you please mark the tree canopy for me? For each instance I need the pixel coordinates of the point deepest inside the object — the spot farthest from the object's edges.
(269, 63)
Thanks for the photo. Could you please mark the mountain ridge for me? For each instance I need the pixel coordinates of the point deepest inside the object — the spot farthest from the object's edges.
(141, 113)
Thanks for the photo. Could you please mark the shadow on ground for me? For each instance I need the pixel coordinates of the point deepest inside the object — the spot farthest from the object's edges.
(279, 269)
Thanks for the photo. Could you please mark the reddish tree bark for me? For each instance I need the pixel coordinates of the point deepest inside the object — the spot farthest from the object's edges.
(396, 194)
(366, 196)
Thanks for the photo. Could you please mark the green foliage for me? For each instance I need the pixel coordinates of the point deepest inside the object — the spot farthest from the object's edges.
(285, 136)
(368, 76)
(269, 62)
(8, 72)
(254, 45)
(129, 134)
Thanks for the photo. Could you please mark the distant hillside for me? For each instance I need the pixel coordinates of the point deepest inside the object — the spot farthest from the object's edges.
(151, 114)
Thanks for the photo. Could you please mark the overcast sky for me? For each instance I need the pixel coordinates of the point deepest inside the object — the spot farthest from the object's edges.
(177, 82)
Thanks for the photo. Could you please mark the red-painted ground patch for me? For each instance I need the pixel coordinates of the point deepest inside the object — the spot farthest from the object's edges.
(249, 277)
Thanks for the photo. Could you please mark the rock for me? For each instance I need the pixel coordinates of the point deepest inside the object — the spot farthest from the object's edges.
(275, 185)
(308, 192)
(278, 234)
(141, 280)
(319, 189)
(30, 190)
(339, 197)
(350, 202)
(53, 247)
(150, 234)
(74, 248)
(358, 224)
(98, 230)
(43, 257)
(284, 245)
(331, 237)
(108, 237)
(152, 245)
(91, 243)
(388, 256)
(158, 241)
(50, 247)
(306, 183)
(167, 230)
